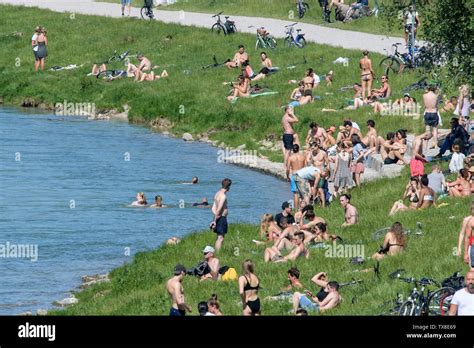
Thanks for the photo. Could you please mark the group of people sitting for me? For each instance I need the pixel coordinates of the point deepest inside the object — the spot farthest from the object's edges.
(144, 71)
(303, 94)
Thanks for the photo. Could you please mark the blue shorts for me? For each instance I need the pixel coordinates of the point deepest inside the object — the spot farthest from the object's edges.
(471, 253)
(176, 312)
(294, 189)
(221, 225)
(126, 2)
(308, 305)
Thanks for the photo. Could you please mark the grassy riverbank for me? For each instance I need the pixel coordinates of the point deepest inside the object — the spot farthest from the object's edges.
(280, 9)
(139, 288)
(191, 98)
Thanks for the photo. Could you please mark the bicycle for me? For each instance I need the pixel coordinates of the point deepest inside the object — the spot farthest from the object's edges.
(228, 27)
(147, 10)
(421, 302)
(383, 231)
(292, 41)
(116, 57)
(264, 39)
(302, 7)
(422, 84)
(215, 63)
(324, 4)
(394, 306)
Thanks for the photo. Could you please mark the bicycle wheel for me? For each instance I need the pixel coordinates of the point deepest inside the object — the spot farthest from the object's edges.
(259, 44)
(390, 63)
(146, 13)
(219, 29)
(380, 233)
(271, 42)
(406, 309)
(301, 42)
(288, 42)
(234, 28)
(440, 301)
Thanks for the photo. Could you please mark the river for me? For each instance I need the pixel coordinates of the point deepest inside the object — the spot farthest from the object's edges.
(66, 185)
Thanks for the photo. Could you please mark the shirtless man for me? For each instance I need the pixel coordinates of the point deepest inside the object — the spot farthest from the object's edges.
(468, 222)
(273, 254)
(145, 65)
(316, 134)
(288, 132)
(366, 74)
(370, 139)
(351, 217)
(431, 116)
(220, 211)
(310, 302)
(469, 240)
(306, 180)
(308, 228)
(382, 92)
(418, 159)
(239, 58)
(296, 162)
(349, 130)
(212, 262)
(174, 287)
(319, 159)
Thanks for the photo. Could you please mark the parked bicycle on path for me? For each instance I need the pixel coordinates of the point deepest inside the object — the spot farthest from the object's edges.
(294, 41)
(264, 39)
(302, 7)
(228, 27)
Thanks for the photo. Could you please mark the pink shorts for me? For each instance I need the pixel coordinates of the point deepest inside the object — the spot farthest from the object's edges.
(416, 167)
(357, 168)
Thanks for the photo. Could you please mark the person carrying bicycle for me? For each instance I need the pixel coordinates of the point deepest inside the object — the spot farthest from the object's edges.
(411, 20)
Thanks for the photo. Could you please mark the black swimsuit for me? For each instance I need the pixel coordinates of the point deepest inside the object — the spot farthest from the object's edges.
(255, 304)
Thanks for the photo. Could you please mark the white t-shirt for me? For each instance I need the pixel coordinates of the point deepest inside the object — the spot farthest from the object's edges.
(465, 302)
(410, 19)
(34, 38)
(355, 125)
(457, 162)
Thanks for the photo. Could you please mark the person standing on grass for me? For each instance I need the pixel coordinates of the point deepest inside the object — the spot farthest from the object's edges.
(175, 289)
(431, 116)
(351, 216)
(126, 3)
(463, 300)
(296, 162)
(366, 74)
(248, 289)
(220, 211)
(287, 122)
(40, 47)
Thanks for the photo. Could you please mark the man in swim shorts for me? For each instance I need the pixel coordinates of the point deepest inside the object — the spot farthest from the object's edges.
(431, 116)
(288, 132)
(220, 211)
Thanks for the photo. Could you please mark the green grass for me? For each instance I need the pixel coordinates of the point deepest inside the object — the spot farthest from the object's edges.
(281, 9)
(194, 102)
(138, 288)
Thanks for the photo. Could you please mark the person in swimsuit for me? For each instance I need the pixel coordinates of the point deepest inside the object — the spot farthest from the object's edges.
(461, 186)
(289, 118)
(296, 94)
(296, 162)
(203, 203)
(427, 195)
(394, 242)
(316, 134)
(158, 202)
(366, 74)
(241, 89)
(137, 71)
(431, 115)
(308, 88)
(152, 77)
(269, 230)
(220, 211)
(248, 288)
(467, 223)
(239, 58)
(370, 139)
(274, 254)
(383, 92)
(351, 216)
(324, 300)
(174, 287)
(469, 240)
(141, 200)
(412, 192)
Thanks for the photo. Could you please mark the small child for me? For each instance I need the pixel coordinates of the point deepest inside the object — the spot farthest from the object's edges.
(457, 160)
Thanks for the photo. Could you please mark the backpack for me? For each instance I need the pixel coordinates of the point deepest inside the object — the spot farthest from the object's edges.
(230, 274)
(201, 269)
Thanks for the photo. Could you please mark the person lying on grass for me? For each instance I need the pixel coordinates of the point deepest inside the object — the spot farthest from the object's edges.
(461, 186)
(324, 300)
(299, 250)
(394, 242)
(412, 193)
(152, 77)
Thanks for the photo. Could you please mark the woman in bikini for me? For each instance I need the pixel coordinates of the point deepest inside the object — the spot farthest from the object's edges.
(394, 242)
(308, 82)
(461, 187)
(427, 195)
(242, 88)
(366, 74)
(412, 193)
(269, 230)
(248, 288)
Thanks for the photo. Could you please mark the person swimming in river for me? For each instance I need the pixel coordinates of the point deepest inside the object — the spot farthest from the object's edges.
(204, 203)
(158, 202)
(141, 200)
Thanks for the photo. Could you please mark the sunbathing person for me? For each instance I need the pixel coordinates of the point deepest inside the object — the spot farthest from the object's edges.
(370, 139)
(152, 77)
(427, 195)
(324, 300)
(396, 149)
(239, 58)
(269, 230)
(296, 94)
(394, 242)
(309, 82)
(273, 254)
(96, 69)
(461, 186)
(136, 71)
(241, 89)
(412, 192)
(383, 92)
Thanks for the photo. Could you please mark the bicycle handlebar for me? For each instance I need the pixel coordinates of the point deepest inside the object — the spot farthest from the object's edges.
(218, 14)
(290, 25)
